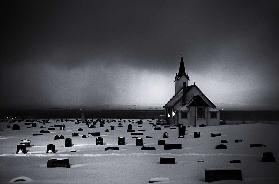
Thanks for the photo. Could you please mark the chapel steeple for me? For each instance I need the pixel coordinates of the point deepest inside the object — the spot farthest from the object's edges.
(181, 77)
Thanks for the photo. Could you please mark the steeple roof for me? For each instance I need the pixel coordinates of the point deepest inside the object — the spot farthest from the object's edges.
(181, 71)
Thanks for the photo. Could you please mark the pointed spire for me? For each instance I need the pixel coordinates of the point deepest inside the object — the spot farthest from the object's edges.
(181, 68)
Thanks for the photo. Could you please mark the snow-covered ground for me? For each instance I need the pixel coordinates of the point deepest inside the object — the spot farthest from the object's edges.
(92, 164)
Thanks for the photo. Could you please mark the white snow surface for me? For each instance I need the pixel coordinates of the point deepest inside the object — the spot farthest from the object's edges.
(92, 164)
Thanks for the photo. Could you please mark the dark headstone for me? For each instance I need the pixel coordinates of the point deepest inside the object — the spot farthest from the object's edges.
(197, 134)
(16, 127)
(161, 142)
(268, 157)
(99, 141)
(223, 141)
(37, 134)
(220, 174)
(121, 140)
(68, 142)
(221, 146)
(181, 130)
(51, 128)
(237, 140)
(215, 135)
(22, 148)
(50, 148)
(58, 162)
(235, 161)
(139, 142)
(107, 130)
(112, 127)
(165, 135)
(111, 148)
(157, 128)
(257, 145)
(80, 129)
(56, 137)
(148, 148)
(136, 133)
(44, 131)
(148, 137)
(202, 125)
(84, 136)
(95, 134)
(172, 146)
(75, 134)
(167, 160)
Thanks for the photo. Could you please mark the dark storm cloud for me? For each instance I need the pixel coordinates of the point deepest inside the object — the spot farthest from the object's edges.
(237, 37)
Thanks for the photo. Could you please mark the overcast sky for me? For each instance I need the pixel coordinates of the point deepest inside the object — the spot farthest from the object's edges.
(94, 53)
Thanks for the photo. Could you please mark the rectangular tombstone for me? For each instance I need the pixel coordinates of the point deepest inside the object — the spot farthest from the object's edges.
(197, 134)
(112, 148)
(99, 141)
(139, 142)
(95, 134)
(222, 174)
(121, 140)
(167, 160)
(136, 133)
(68, 142)
(172, 146)
(58, 162)
(161, 142)
(148, 148)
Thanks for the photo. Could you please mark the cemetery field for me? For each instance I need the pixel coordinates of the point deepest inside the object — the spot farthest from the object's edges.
(91, 163)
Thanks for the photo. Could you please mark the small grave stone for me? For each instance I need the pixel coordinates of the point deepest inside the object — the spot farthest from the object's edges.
(222, 174)
(161, 142)
(130, 128)
(16, 127)
(99, 141)
(257, 145)
(57, 137)
(36, 134)
(215, 134)
(167, 160)
(139, 142)
(148, 148)
(111, 127)
(44, 131)
(50, 148)
(95, 134)
(172, 146)
(223, 141)
(268, 157)
(121, 140)
(181, 131)
(165, 135)
(80, 129)
(68, 142)
(111, 148)
(238, 140)
(51, 128)
(221, 146)
(84, 136)
(197, 134)
(157, 128)
(22, 148)
(148, 137)
(75, 134)
(235, 161)
(58, 162)
(136, 133)
(25, 142)
(107, 130)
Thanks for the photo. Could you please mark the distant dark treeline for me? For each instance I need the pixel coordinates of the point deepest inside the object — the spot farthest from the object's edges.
(241, 115)
(75, 113)
(229, 115)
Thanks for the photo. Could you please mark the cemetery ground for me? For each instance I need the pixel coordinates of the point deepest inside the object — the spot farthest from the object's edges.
(241, 148)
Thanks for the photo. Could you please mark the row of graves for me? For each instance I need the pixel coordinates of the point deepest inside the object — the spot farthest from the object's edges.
(131, 130)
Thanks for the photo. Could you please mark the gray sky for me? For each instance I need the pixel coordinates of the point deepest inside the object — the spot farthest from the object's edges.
(93, 53)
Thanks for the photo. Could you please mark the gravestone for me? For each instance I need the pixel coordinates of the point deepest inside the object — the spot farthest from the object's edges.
(167, 160)
(221, 146)
(172, 146)
(139, 142)
(50, 148)
(99, 141)
(16, 127)
(268, 157)
(121, 140)
(22, 148)
(75, 134)
(148, 148)
(197, 134)
(58, 162)
(165, 135)
(161, 142)
(112, 148)
(68, 142)
(111, 127)
(222, 174)
(181, 131)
